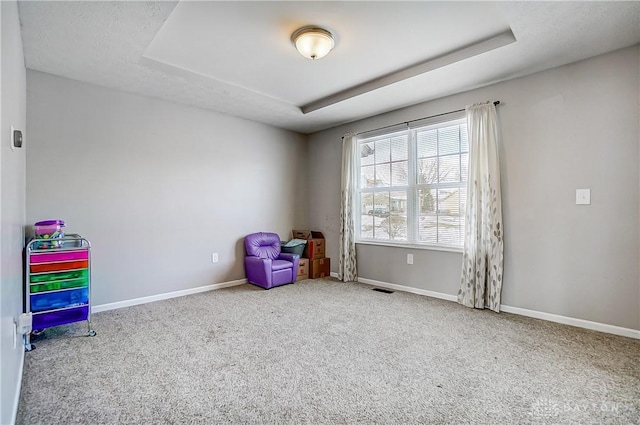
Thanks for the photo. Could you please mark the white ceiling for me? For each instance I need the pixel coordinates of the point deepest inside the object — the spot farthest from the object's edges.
(237, 57)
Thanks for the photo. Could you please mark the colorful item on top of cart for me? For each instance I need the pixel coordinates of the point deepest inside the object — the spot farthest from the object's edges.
(50, 232)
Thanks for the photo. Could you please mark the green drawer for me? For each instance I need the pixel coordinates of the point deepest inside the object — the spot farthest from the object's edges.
(49, 277)
(59, 284)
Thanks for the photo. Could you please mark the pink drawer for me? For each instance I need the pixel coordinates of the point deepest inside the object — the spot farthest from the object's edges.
(50, 257)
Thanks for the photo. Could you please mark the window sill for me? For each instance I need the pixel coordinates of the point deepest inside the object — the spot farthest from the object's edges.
(411, 246)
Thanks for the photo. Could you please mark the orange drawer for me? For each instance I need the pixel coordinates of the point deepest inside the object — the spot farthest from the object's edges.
(55, 267)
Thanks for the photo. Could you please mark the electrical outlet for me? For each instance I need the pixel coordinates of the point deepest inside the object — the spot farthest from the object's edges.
(25, 323)
(409, 258)
(214, 257)
(583, 196)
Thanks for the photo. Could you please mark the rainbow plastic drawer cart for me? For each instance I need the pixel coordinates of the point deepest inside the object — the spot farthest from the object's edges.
(58, 283)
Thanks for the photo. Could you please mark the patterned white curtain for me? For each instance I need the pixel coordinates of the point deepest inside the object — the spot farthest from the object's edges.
(482, 261)
(347, 269)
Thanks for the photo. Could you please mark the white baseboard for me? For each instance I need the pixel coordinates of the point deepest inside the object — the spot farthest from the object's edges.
(403, 288)
(16, 400)
(165, 296)
(580, 323)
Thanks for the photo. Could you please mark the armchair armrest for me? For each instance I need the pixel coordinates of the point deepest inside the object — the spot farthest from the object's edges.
(258, 270)
(294, 258)
(288, 257)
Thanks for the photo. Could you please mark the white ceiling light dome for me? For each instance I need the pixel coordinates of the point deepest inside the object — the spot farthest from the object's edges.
(313, 42)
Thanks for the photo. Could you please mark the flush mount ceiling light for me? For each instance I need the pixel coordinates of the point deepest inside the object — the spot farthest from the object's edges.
(313, 42)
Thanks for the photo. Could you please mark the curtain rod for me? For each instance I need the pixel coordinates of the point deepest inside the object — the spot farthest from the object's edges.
(496, 103)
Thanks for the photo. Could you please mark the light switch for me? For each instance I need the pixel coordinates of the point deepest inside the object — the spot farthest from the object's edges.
(583, 196)
(409, 258)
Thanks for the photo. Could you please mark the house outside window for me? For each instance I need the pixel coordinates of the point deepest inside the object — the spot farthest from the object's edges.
(412, 187)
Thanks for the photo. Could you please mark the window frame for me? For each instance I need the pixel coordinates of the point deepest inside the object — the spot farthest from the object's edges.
(412, 187)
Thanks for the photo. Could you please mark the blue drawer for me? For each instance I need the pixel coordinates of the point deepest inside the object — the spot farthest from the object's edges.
(59, 299)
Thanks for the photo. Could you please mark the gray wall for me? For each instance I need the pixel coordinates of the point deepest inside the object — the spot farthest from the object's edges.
(157, 187)
(12, 207)
(571, 127)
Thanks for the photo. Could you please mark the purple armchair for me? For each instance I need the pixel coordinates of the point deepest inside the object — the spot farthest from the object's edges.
(265, 265)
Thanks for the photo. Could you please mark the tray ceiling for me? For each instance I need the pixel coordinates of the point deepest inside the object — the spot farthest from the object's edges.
(237, 57)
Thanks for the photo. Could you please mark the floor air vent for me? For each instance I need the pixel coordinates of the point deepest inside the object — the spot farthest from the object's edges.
(386, 291)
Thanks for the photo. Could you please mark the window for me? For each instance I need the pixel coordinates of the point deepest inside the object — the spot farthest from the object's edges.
(412, 188)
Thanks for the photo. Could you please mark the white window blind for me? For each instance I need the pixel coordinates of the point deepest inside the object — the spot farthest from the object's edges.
(413, 185)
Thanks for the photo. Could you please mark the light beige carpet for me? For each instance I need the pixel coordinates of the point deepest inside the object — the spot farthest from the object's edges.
(326, 352)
